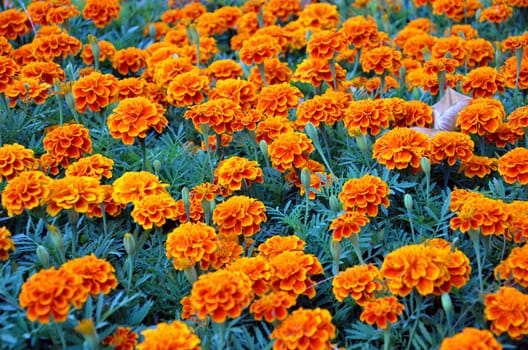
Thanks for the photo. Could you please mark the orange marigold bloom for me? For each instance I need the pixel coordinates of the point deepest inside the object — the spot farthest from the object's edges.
(8, 70)
(415, 48)
(465, 31)
(496, 13)
(305, 329)
(73, 192)
(505, 134)
(347, 224)
(26, 191)
(5, 47)
(280, 34)
(130, 87)
(221, 294)
(275, 245)
(367, 115)
(224, 69)
(248, 23)
(290, 270)
(239, 215)
(471, 338)
(436, 65)
(515, 266)
(96, 166)
(257, 268)
(45, 72)
(519, 118)
(228, 251)
(478, 166)
(507, 312)
(325, 44)
(258, 48)
(283, 9)
(50, 293)
(6, 243)
(14, 23)
(488, 215)
(272, 306)
(27, 90)
(155, 30)
(361, 282)
(128, 60)
(456, 10)
(205, 191)
(222, 115)
(319, 109)
(109, 205)
(290, 149)
(122, 339)
(169, 68)
(192, 243)
(364, 194)
(97, 275)
(270, 128)
(381, 60)
(55, 45)
(382, 311)
(319, 16)
(512, 166)
(134, 186)
(360, 30)
(400, 147)
(15, 159)
(483, 82)
(154, 210)
(230, 173)
(509, 72)
(450, 146)
(479, 52)
(229, 14)
(480, 117)
(101, 11)
(174, 335)
(405, 34)
(66, 142)
(187, 88)
(411, 113)
(318, 178)
(225, 141)
(315, 71)
(134, 117)
(242, 92)
(94, 91)
(106, 52)
(453, 45)
(276, 72)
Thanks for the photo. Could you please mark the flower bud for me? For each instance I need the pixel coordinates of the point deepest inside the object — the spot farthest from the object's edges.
(335, 249)
(426, 165)
(361, 142)
(87, 329)
(263, 148)
(311, 131)
(130, 243)
(408, 201)
(43, 255)
(335, 205)
(156, 164)
(306, 179)
(56, 237)
(447, 304)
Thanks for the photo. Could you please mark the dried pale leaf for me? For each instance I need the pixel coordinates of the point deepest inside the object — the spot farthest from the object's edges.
(446, 110)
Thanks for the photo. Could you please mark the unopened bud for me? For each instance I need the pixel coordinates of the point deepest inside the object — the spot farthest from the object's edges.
(306, 179)
(130, 244)
(335, 249)
(156, 164)
(43, 255)
(335, 205)
(263, 148)
(362, 142)
(447, 304)
(426, 165)
(56, 237)
(408, 201)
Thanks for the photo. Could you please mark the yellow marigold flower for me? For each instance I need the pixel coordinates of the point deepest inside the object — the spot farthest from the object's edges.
(471, 338)
(50, 293)
(66, 142)
(174, 335)
(305, 329)
(347, 224)
(6, 243)
(365, 194)
(319, 16)
(232, 172)
(239, 215)
(187, 88)
(122, 339)
(361, 282)
(101, 11)
(481, 116)
(450, 146)
(134, 117)
(94, 91)
(276, 100)
(96, 166)
(257, 268)
(478, 166)
(367, 115)
(14, 23)
(15, 159)
(290, 150)
(381, 60)
(400, 148)
(154, 210)
(26, 191)
(221, 294)
(270, 128)
(275, 245)
(73, 192)
(291, 270)
(97, 275)
(272, 306)
(382, 311)
(512, 166)
(515, 266)
(133, 186)
(507, 310)
(228, 252)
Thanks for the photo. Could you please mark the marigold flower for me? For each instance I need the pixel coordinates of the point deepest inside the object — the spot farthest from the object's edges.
(222, 115)
(512, 166)
(130, 88)
(205, 191)
(325, 44)
(382, 311)
(452, 45)
(381, 60)
(270, 128)
(412, 113)
(248, 23)
(415, 48)
(14, 23)
(518, 221)
(258, 270)
(276, 100)
(496, 13)
(134, 186)
(515, 266)
(66, 142)
(258, 48)
(15, 159)
(101, 11)
(97, 275)
(505, 134)
(192, 243)
(275, 245)
(55, 45)
(174, 335)
(509, 72)
(6, 243)
(221, 294)
(240, 91)
(187, 88)
(94, 91)
(27, 90)
(519, 117)
(276, 72)
(239, 215)
(229, 14)
(465, 31)
(360, 282)
(471, 338)
(50, 293)
(168, 69)
(8, 70)
(230, 173)
(122, 339)
(479, 52)
(488, 215)
(45, 72)
(272, 306)
(290, 149)
(400, 147)
(224, 69)
(128, 60)
(347, 224)
(456, 10)
(480, 117)
(96, 166)
(26, 191)
(483, 82)
(228, 252)
(315, 71)
(73, 192)
(364, 194)
(405, 34)
(283, 9)
(106, 52)
(305, 329)
(368, 115)
(507, 312)
(450, 146)
(155, 30)
(319, 16)
(360, 30)
(478, 166)
(291, 270)
(154, 210)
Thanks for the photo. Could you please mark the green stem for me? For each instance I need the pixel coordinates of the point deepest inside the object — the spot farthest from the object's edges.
(73, 218)
(417, 311)
(475, 238)
(354, 239)
(221, 335)
(262, 74)
(409, 214)
(205, 132)
(105, 223)
(130, 272)
(333, 72)
(387, 337)
(58, 328)
(143, 148)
